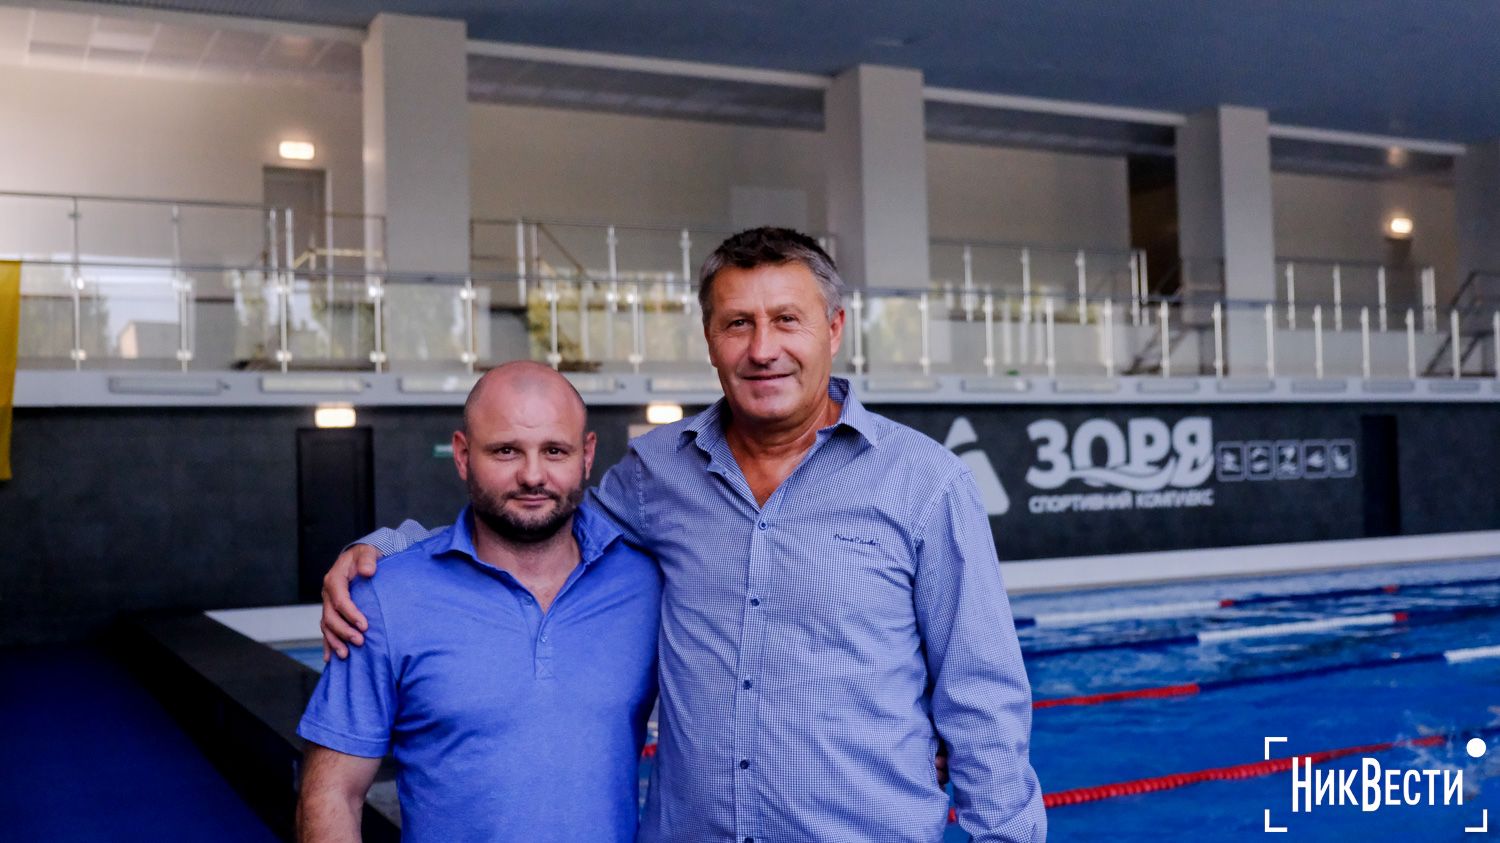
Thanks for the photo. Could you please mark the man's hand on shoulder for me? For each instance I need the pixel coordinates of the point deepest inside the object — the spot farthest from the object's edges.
(342, 621)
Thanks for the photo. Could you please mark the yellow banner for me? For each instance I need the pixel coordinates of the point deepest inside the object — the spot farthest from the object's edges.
(10, 333)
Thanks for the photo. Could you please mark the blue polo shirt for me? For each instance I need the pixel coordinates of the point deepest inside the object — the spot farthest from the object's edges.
(506, 723)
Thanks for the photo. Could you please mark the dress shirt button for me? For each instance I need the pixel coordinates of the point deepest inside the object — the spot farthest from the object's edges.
(745, 764)
(544, 638)
(526, 598)
(763, 525)
(755, 601)
(748, 683)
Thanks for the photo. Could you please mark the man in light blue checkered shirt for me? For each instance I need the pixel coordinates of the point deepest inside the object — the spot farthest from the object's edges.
(832, 603)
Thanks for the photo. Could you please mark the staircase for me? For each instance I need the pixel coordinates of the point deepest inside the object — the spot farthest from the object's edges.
(1148, 358)
(1475, 304)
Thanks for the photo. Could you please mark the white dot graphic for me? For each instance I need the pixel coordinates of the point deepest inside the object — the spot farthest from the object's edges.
(1476, 747)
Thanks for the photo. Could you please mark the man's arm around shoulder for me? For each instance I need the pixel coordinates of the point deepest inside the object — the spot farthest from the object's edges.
(333, 795)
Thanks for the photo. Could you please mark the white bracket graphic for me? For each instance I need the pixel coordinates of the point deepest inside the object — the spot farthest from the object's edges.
(1484, 825)
(1272, 829)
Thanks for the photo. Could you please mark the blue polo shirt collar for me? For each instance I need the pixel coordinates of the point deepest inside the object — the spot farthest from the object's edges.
(706, 428)
(593, 533)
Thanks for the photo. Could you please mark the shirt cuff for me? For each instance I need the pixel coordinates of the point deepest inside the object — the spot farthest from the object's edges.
(339, 742)
(391, 542)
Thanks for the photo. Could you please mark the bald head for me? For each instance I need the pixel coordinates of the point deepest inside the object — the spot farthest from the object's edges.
(526, 379)
(524, 452)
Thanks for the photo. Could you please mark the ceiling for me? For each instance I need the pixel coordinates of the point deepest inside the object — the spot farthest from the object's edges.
(1310, 75)
(1414, 68)
(79, 41)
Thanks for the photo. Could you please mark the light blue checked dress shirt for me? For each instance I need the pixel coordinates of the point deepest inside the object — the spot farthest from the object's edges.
(814, 649)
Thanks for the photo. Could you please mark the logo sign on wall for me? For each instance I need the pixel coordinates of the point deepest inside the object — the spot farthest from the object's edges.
(1142, 463)
(964, 442)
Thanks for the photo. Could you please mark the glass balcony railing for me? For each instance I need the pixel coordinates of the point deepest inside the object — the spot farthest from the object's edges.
(59, 228)
(573, 251)
(111, 282)
(107, 316)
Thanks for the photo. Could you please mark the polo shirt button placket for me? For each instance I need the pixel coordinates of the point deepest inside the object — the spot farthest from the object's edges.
(544, 653)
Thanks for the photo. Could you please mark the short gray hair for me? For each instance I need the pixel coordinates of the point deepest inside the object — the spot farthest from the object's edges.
(767, 246)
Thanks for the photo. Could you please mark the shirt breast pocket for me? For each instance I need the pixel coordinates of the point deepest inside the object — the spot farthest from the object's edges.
(850, 584)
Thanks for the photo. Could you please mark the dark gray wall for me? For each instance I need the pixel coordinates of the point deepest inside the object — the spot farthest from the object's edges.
(117, 511)
(113, 511)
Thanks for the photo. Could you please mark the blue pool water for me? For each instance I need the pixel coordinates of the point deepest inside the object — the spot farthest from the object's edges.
(1087, 746)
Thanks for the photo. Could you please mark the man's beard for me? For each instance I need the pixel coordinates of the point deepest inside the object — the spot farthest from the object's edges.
(491, 510)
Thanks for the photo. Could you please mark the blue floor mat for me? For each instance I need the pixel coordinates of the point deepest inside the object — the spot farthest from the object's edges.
(87, 755)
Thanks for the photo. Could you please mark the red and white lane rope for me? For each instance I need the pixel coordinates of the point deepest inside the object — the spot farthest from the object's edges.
(1234, 772)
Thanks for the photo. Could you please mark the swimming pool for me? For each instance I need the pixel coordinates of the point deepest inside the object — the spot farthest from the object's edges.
(1086, 746)
(1309, 657)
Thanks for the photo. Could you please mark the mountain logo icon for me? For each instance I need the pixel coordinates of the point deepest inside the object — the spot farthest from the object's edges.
(964, 442)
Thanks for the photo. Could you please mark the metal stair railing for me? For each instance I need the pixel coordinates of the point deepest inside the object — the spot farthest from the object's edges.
(1472, 318)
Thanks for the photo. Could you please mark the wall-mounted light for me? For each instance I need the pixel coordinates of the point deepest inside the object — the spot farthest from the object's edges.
(334, 415)
(297, 150)
(1399, 227)
(663, 413)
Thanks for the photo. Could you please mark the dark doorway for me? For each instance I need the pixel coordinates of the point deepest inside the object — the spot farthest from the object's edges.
(1153, 218)
(304, 192)
(335, 500)
(1382, 475)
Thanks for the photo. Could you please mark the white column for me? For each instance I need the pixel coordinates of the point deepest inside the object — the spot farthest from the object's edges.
(877, 176)
(1476, 177)
(416, 140)
(1224, 209)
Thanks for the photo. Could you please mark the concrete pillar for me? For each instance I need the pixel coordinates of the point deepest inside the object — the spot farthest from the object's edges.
(416, 141)
(1476, 176)
(1227, 238)
(877, 176)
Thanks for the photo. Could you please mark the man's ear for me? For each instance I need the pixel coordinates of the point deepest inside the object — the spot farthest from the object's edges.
(590, 442)
(836, 333)
(461, 455)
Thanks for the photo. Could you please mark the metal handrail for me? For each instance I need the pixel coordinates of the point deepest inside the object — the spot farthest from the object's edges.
(186, 203)
(1464, 306)
(1054, 248)
(657, 227)
(546, 232)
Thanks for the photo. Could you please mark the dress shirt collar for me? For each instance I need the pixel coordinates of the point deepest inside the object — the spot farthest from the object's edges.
(707, 428)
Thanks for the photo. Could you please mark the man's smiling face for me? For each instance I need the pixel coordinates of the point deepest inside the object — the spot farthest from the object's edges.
(770, 338)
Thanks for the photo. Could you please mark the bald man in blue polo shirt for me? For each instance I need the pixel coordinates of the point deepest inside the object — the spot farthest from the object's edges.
(510, 659)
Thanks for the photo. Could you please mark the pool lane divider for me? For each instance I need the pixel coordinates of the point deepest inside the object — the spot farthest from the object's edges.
(1186, 689)
(1411, 617)
(1190, 608)
(1236, 772)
